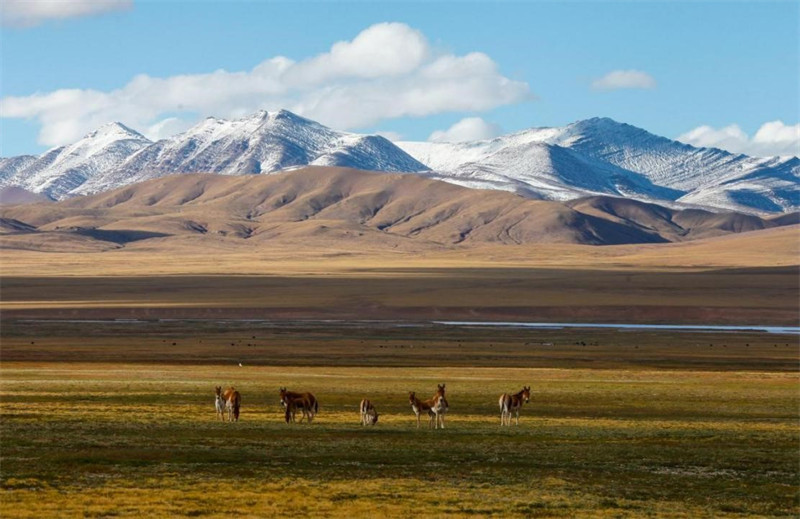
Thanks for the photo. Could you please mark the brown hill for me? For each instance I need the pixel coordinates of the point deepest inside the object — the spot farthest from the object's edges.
(12, 195)
(341, 206)
(675, 224)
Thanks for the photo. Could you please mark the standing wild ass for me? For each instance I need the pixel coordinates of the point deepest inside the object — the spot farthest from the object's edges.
(233, 402)
(292, 401)
(219, 403)
(436, 407)
(369, 415)
(512, 404)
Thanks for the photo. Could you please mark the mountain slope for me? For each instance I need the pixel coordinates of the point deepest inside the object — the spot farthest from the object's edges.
(264, 142)
(61, 170)
(319, 205)
(617, 159)
(593, 157)
(12, 195)
(323, 203)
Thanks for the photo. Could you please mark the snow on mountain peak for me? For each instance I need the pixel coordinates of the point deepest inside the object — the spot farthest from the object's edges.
(593, 156)
(114, 130)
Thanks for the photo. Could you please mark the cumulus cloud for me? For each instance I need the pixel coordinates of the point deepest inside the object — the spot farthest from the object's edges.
(467, 129)
(624, 79)
(388, 71)
(166, 128)
(772, 138)
(27, 13)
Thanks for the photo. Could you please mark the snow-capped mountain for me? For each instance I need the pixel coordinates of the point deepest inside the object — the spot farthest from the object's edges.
(592, 157)
(261, 143)
(603, 156)
(59, 171)
(264, 142)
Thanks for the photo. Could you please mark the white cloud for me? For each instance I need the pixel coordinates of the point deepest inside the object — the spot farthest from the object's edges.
(467, 129)
(165, 128)
(27, 13)
(388, 71)
(773, 138)
(624, 79)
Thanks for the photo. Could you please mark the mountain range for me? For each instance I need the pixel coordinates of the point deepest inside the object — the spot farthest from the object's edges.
(588, 158)
(354, 209)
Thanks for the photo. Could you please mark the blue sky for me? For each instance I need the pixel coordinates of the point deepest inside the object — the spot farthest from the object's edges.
(720, 69)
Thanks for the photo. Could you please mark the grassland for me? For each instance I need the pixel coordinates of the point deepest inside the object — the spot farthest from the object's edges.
(381, 344)
(98, 440)
(765, 295)
(116, 419)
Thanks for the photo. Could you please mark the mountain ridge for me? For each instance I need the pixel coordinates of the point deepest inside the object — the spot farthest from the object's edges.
(596, 156)
(358, 209)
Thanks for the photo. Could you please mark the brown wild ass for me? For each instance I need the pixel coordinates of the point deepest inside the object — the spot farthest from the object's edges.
(512, 404)
(292, 401)
(369, 415)
(233, 402)
(435, 406)
(442, 406)
(219, 403)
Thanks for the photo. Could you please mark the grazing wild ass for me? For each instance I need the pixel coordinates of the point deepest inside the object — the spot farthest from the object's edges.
(435, 406)
(233, 402)
(292, 401)
(219, 403)
(512, 404)
(369, 415)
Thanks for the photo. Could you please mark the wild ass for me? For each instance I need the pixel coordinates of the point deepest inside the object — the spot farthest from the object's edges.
(233, 402)
(306, 402)
(219, 403)
(441, 407)
(436, 407)
(512, 404)
(369, 415)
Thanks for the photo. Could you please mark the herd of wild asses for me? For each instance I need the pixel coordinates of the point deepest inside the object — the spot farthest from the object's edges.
(228, 403)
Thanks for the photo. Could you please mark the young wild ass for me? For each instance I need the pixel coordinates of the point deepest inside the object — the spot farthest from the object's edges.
(233, 402)
(513, 403)
(369, 415)
(292, 401)
(435, 406)
(219, 403)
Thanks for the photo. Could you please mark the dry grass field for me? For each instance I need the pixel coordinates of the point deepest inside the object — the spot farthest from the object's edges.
(117, 440)
(748, 278)
(399, 344)
(721, 296)
(116, 419)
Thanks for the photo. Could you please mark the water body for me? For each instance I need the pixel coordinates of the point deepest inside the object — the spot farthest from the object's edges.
(622, 327)
(412, 324)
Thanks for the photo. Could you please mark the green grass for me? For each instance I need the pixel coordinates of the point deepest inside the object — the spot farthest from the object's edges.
(95, 440)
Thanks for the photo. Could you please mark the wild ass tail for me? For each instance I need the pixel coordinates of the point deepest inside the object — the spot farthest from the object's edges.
(504, 403)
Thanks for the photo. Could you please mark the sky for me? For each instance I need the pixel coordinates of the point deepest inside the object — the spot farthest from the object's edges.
(715, 73)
